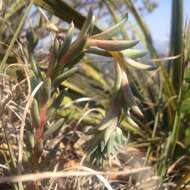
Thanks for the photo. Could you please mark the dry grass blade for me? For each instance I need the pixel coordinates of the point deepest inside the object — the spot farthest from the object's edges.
(100, 177)
(46, 175)
(3, 62)
(166, 58)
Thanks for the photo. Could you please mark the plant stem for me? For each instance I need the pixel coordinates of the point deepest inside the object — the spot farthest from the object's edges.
(176, 41)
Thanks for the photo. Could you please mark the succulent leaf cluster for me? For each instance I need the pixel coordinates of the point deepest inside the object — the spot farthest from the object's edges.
(108, 137)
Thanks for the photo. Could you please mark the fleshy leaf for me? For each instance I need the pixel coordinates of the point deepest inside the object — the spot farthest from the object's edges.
(108, 133)
(106, 141)
(128, 95)
(74, 51)
(112, 45)
(45, 91)
(134, 53)
(35, 114)
(56, 103)
(64, 76)
(98, 51)
(35, 67)
(67, 40)
(139, 65)
(109, 33)
(88, 25)
(118, 79)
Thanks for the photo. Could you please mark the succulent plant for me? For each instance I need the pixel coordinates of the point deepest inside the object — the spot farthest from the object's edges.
(108, 137)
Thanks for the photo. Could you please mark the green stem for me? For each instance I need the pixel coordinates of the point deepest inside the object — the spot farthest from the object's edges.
(176, 42)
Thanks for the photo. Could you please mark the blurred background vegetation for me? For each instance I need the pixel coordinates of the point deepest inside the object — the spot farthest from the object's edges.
(86, 83)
